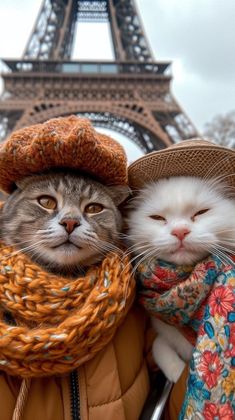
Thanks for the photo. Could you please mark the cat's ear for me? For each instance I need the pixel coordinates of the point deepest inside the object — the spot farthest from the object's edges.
(20, 184)
(119, 193)
(24, 182)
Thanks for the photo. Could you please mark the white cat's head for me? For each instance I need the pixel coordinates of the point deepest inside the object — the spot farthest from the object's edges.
(182, 220)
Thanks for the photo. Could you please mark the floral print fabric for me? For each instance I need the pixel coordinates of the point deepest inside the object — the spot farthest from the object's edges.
(202, 298)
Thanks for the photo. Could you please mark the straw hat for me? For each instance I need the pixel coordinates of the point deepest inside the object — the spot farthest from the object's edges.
(66, 142)
(194, 157)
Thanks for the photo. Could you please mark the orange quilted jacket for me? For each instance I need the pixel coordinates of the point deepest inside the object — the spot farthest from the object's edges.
(112, 386)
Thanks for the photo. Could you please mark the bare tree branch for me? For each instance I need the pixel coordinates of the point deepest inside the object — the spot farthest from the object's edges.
(222, 129)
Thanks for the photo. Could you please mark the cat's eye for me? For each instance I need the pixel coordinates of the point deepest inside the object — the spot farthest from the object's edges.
(93, 208)
(47, 202)
(200, 212)
(157, 217)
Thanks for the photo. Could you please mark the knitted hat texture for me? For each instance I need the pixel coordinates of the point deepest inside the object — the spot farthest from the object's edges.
(65, 142)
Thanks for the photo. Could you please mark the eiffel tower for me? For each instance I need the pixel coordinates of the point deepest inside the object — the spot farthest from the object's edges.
(130, 95)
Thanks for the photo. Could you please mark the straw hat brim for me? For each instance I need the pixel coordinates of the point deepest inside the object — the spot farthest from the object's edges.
(189, 158)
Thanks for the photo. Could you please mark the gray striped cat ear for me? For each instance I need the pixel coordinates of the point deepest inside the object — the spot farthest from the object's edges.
(23, 182)
(118, 193)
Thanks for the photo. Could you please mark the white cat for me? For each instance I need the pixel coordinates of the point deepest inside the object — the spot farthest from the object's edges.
(181, 220)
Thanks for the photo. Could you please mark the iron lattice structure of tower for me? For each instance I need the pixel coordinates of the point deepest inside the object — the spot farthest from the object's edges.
(130, 94)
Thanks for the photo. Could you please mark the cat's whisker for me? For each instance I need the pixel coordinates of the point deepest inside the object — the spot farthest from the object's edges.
(213, 167)
(218, 179)
(226, 255)
(13, 245)
(145, 254)
(146, 248)
(223, 255)
(20, 249)
(138, 256)
(213, 250)
(98, 249)
(215, 180)
(225, 230)
(227, 241)
(218, 253)
(16, 252)
(218, 243)
(211, 246)
(151, 253)
(225, 249)
(101, 246)
(219, 184)
(222, 252)
(109, 246)
(135, 249)
(135, 257)
(228, 189)
(47, 230)
(104, 247)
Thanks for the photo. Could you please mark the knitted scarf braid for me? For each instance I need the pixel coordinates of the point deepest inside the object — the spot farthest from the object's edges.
(51, 325)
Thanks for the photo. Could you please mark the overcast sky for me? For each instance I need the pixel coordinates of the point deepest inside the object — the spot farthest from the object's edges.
(198, 36)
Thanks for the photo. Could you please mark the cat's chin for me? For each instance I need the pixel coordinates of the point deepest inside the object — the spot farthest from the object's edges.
(66, 260)
(65, 254)
(67, 247)
(184, 257)
(65, 268)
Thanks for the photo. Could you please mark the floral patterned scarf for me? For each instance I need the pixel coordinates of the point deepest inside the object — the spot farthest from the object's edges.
(199, 299)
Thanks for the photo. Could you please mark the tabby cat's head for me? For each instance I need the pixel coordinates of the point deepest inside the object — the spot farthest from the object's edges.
(65, 222)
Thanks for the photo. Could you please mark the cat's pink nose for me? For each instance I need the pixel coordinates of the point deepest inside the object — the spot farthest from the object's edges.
(180, 232)
(69, 224)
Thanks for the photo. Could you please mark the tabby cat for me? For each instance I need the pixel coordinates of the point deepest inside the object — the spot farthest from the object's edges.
(63, 221)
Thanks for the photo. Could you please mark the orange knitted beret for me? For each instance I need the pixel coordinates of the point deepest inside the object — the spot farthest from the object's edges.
(66, 142)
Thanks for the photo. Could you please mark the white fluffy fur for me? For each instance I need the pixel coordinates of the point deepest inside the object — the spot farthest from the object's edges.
(178, 199)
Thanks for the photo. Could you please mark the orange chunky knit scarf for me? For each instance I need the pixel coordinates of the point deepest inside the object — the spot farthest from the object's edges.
(51, 325)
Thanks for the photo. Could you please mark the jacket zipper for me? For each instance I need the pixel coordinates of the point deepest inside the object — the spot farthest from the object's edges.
(75, 397)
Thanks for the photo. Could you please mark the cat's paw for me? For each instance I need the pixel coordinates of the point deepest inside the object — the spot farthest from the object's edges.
(183, 347)
(175, 370)
(167, 359)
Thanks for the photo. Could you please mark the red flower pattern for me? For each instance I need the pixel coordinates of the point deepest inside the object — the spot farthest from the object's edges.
(221, 301)
(218, 412)
(210, 366)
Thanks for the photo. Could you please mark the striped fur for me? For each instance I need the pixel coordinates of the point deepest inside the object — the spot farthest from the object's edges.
(37, 231)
